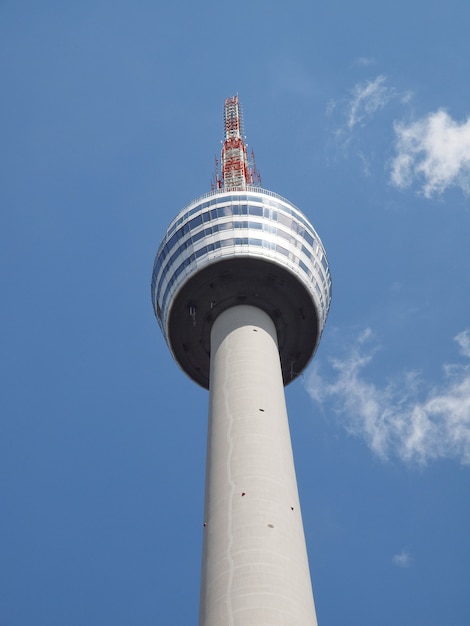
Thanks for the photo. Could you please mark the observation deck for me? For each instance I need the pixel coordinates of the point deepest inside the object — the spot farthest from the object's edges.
(241, 246)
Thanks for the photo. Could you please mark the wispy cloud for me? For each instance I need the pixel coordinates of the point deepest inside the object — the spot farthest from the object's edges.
(404, 418)
(463, 339)
(367, 98)
(435, 151)
(351, 114)
(364, 61)
(402, 559)
(432, 152)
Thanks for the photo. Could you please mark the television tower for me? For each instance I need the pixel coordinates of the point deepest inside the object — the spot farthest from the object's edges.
(241, 289)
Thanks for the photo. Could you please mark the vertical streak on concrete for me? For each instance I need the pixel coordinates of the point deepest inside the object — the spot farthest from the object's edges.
(230, 482)
(254, 566)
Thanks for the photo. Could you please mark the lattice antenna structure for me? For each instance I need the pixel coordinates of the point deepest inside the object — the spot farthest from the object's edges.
(255, 175)
(236, 170)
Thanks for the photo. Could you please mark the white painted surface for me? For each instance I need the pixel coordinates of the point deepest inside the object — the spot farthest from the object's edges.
(273, 228)
(254, 567)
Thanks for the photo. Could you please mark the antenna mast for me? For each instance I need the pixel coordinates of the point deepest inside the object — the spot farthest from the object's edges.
(235, 170)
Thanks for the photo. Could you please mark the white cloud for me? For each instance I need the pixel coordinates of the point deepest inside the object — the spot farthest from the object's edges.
(400, 419)
(353, 113)
(365, 162)
(330, 107)
(435, 150)
(432, 151)
(364, 61)
(463, 339)
(402, 559)
(367, 97)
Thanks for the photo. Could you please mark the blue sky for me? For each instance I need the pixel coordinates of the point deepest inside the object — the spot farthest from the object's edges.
(111, 117)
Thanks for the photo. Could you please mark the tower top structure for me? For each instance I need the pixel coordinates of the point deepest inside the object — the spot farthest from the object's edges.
(236, 170)
(241, 289)
(240, 244)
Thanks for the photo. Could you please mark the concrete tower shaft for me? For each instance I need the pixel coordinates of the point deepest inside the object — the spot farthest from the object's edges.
(254, 567)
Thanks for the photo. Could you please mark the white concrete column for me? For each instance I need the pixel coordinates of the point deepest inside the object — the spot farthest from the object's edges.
(254, 565)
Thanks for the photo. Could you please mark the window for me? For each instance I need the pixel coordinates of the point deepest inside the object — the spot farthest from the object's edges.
(284, 219)
(256, 210)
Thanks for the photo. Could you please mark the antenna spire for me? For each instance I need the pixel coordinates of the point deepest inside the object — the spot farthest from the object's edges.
(235, 169)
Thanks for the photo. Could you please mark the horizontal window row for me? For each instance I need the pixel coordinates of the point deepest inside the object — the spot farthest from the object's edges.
(220, 227)
(241, 205)
(221, 195)
(239, 241)
(162, 259)
(216, 200)
(234, 211)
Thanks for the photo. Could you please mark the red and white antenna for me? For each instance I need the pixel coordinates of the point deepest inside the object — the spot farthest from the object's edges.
(235, 169)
